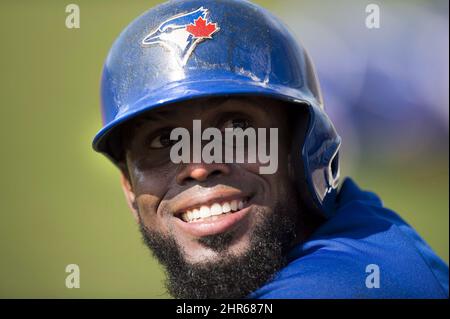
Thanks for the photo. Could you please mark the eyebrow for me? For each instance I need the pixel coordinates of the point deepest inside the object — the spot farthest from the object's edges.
(158, 115)
(162, 114)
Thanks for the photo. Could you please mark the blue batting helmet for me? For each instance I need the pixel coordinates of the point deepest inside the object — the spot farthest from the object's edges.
(191, 49)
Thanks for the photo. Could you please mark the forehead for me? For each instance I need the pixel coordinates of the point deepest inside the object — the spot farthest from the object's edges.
(258, 106)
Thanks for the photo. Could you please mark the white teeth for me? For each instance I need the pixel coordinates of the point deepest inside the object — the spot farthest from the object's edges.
(216, 209)
(234, 205)
(212, 210)
(226, 207)
(204, 211)
(196, 213)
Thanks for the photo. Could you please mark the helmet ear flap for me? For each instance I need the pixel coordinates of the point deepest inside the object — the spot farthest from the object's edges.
(297, 165)
(315, 160)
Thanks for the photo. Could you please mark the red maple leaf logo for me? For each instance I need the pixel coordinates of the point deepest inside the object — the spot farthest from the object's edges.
(201, 28)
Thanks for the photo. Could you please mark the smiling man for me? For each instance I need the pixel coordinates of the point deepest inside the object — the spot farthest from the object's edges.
(226, 227)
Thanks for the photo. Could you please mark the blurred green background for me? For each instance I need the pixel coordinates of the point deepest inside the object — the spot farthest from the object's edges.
(61, 203)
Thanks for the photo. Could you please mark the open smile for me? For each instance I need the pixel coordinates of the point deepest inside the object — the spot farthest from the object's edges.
(213, 217)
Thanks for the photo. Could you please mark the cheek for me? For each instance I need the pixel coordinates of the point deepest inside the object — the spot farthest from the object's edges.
(275, 186)
(152, 180)
(147, 206)
(251, 167)
(279, 161)
(150, 187)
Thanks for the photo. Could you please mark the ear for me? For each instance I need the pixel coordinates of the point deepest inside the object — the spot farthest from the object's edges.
(129, 196)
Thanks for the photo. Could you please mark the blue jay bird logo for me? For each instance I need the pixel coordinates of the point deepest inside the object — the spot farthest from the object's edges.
(182, 33)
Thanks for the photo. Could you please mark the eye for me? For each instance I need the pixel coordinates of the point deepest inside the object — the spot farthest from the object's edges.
(236, 123)
(162, 140)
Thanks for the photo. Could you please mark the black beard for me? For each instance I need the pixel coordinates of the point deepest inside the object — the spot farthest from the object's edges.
(231, 276)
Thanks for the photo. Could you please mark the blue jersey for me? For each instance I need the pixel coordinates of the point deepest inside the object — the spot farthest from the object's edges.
(363, 251)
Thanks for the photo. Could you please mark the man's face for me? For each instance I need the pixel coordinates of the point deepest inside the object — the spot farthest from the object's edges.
(243, 203)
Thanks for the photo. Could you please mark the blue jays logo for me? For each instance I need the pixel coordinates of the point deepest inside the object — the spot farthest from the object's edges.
(182, 33)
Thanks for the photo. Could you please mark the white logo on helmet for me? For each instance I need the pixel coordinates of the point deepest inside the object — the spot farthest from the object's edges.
(182, 33)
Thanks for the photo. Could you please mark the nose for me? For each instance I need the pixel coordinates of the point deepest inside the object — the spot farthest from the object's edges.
(200, 172)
